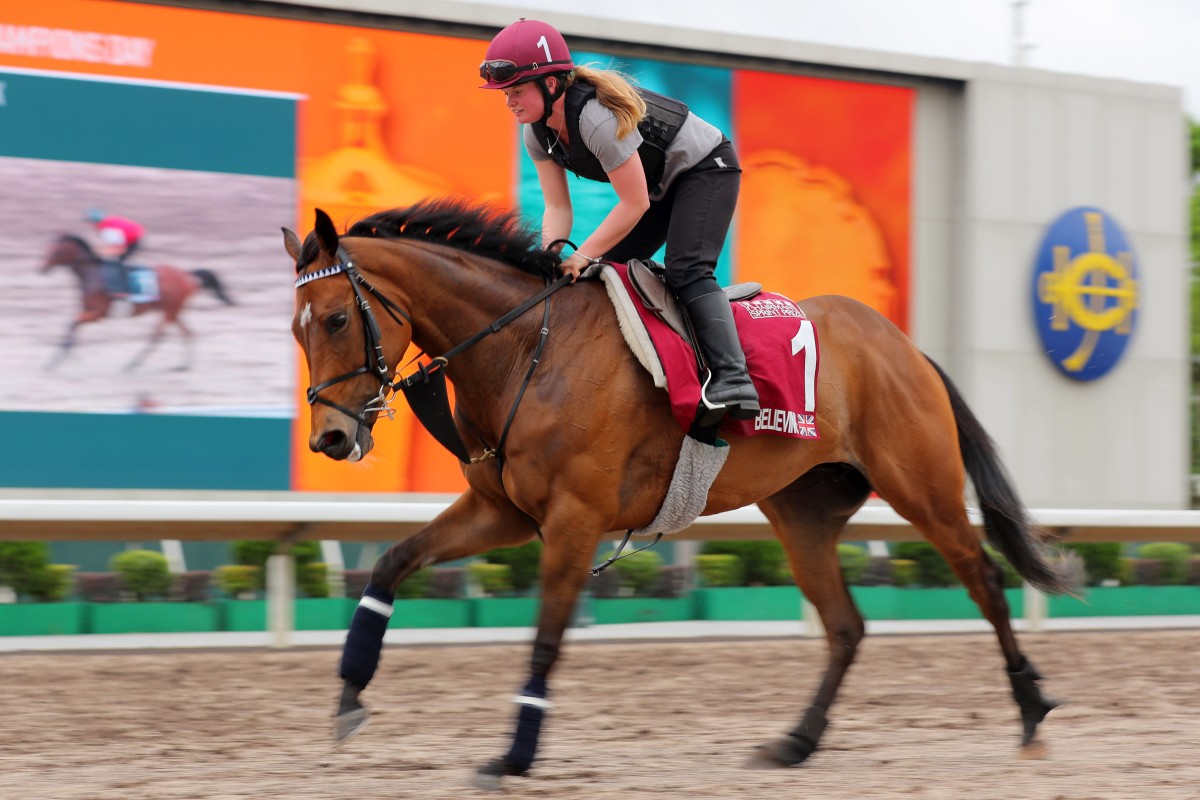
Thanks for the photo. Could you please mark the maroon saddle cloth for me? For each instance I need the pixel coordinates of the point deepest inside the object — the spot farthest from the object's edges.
(781, 349)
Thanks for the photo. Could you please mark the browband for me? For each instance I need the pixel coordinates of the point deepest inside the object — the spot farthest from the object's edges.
(321, 273)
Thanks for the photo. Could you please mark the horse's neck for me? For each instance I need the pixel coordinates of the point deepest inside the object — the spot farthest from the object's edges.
(84, 267)
(453, 295)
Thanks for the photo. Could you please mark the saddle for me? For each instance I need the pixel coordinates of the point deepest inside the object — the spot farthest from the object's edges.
(648, 279)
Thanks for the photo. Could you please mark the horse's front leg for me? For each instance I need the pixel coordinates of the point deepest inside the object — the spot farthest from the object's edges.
(66, 345)
(473, 524)
(566, 564)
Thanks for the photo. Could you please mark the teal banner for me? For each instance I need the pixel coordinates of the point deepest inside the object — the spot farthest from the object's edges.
(147, 125)
(144, 451)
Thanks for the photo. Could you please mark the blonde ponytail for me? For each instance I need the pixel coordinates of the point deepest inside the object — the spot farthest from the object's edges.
(615, 92)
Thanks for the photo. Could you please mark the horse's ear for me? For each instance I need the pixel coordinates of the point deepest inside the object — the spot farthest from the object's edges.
(291, 243)
(327, 234)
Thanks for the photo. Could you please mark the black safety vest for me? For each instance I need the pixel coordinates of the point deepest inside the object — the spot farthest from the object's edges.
(664, 117)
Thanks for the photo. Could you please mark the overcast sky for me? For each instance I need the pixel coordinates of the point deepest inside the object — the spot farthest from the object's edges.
(1156, 41)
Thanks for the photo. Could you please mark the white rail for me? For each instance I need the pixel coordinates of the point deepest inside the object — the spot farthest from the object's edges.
(286, 517)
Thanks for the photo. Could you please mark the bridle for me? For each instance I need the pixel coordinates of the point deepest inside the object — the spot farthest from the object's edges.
(375, 362)
(425, 388)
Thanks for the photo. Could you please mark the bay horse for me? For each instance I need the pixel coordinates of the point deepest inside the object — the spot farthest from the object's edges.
(585, 445)
(175, 287)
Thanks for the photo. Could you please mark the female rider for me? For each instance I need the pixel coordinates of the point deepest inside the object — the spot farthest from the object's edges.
(681, 188)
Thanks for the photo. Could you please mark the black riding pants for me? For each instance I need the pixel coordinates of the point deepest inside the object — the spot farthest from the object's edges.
(693, 218)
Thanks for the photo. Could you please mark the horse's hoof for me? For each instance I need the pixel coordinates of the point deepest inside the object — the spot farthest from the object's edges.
(1032, 716)
(1035, 750)
(787, 751)
(349, 723)
(490, 776)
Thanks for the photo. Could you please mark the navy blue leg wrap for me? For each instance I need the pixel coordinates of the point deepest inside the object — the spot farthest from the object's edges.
(529, 725)
(360, 656)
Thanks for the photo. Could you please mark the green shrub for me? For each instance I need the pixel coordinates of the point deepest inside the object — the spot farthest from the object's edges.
(932, 569)
(53, 583)
(854, 560)
(764, 563)
(525, 562)
(142, 572)
(255, 552)
(416, 585)
(639, 571)
(237, 579)
(492, 579)
(313, 579)
(23, 565)
(1140, 571)
(904, 572)
(720, 569)
(1101, 560)
(1174, 559)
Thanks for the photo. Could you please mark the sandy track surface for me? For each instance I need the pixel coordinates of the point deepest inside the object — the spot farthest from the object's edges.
(923, 717)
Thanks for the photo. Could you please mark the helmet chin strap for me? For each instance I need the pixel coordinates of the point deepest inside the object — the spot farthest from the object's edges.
(549, 99)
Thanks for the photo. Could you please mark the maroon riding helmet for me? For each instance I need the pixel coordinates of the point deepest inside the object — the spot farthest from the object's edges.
(527, 50)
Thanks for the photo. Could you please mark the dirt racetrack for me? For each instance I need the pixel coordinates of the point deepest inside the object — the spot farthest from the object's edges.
(924, 717)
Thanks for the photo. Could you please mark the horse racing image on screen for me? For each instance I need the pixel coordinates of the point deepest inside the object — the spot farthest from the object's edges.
(143, 273)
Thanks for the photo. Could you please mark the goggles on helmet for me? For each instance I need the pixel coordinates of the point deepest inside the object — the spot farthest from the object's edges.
(499, 70)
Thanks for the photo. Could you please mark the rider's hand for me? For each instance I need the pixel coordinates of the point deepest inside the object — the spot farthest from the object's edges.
(574, 264)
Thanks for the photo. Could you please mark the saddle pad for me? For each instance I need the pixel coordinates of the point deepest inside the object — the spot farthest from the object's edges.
(781, 354)
(144, 282)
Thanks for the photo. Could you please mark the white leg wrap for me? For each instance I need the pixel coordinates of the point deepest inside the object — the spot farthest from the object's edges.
(378, 606)
(536, 702)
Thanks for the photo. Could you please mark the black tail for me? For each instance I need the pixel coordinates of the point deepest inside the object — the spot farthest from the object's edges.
(1005, 520)
(210, 281)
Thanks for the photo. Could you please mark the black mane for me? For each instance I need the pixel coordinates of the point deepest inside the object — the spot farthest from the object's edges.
(482, 230)
(81, 242)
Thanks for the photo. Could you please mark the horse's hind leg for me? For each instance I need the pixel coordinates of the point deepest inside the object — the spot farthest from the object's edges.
(189, 346)
(155, 338)
(942, 518)
(808, 517)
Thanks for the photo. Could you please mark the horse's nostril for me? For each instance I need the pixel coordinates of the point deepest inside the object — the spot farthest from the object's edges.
(332, 443)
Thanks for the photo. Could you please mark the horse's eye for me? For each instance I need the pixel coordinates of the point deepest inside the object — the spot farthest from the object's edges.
(335, 322)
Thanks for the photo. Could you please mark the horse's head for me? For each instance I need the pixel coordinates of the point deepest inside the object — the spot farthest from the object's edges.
(67, 250)
(350, 365)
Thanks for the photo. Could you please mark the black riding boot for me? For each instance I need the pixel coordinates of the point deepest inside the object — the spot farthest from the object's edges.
(729, 385)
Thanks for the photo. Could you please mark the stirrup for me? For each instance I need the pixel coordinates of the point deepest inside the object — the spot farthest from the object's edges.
(713, 413)
(704, 396)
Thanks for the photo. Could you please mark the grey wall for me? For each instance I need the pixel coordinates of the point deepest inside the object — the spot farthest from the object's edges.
(1033, 146)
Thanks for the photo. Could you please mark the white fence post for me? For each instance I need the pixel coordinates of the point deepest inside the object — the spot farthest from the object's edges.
(281, 598)
(811, 625)
(1035, 609)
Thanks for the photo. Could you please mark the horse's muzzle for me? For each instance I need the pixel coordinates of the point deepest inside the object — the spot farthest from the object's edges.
(340, 446)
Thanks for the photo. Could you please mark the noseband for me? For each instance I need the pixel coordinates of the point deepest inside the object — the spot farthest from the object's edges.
(424, 389)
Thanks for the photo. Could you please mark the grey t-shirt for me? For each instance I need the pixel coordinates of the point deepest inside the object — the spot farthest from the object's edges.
(598, 129)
